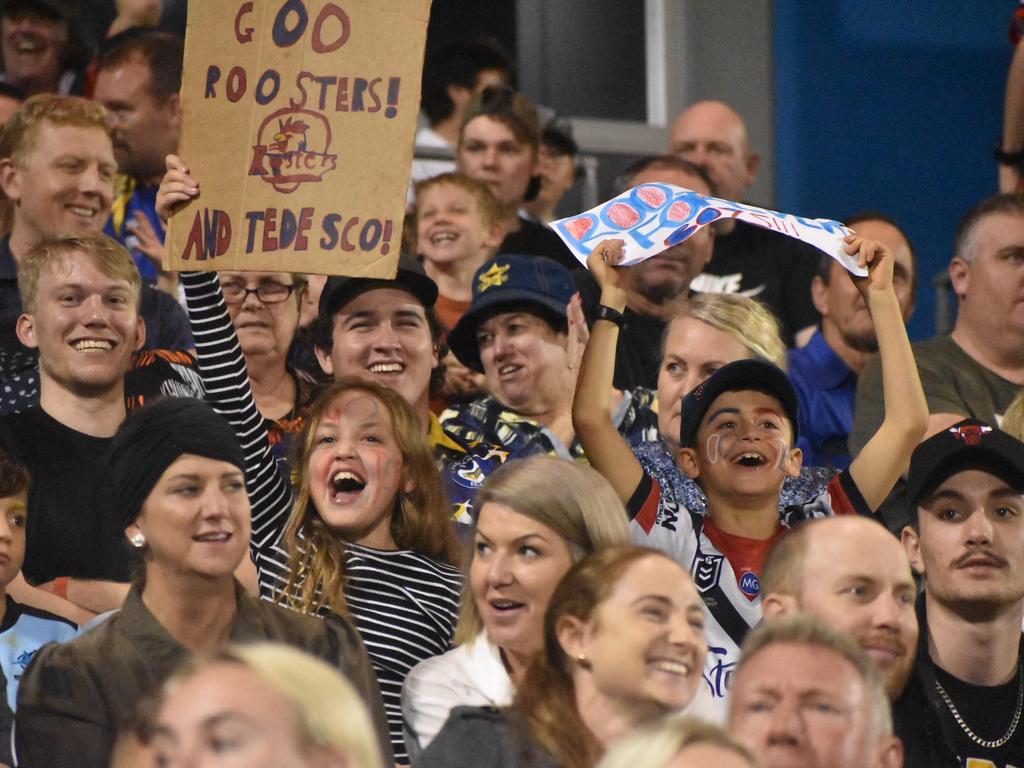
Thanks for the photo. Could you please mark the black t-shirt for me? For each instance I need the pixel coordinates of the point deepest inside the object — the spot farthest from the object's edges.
(988, 712)
(72, 528)
(770, 267)
(638, 353)
(535, 239)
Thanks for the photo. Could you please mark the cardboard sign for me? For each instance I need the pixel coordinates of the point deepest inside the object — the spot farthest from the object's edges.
(653, 217)
(299, 119)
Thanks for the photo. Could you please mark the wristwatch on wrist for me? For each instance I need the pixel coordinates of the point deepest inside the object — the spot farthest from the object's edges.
(611, 315)
(1008, 158)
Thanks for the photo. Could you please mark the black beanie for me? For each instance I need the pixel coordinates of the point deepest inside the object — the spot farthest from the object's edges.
(155, 436)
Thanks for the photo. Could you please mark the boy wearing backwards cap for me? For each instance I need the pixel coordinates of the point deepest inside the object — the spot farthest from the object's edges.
(737, 438)
(963, 703)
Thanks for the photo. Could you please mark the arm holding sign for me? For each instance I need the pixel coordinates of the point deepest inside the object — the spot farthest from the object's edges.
(608, 451)
(886, 455)
(226, 380)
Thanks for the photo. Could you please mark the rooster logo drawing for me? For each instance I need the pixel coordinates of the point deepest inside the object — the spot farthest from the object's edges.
(292, 147)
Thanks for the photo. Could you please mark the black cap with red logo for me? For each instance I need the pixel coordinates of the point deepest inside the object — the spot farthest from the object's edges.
(969, 444)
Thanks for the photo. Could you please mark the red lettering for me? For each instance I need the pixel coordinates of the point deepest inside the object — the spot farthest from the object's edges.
(243, 36)
(270, 231)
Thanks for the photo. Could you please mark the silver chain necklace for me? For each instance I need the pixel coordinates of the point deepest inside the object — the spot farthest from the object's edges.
(987, 743)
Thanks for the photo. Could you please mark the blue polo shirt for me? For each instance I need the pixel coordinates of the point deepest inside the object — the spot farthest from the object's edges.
(825, 389)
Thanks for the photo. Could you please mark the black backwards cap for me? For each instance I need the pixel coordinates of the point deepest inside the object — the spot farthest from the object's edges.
(755, 375)
(339, 291)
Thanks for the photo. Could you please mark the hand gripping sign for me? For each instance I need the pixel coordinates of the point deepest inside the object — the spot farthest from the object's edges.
(654, 217)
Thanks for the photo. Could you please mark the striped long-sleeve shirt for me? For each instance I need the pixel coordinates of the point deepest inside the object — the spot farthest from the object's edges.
(404, 604)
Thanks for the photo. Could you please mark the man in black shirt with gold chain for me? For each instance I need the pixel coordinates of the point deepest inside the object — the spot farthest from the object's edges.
(964, 702)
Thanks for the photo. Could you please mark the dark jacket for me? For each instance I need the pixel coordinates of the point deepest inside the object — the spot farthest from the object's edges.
(74, 697)
(484, 737)
(918, 714)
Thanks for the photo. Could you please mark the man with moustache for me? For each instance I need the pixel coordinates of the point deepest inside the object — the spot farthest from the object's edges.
(658, 287)
(963, 704)
(824, 372)
(851, 573)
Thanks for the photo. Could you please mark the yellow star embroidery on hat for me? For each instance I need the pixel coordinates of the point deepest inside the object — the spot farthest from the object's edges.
(493, 277)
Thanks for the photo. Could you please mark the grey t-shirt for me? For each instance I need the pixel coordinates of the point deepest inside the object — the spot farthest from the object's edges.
(953, 382)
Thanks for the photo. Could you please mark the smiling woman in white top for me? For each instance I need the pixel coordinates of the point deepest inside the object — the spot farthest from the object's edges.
(536, 518)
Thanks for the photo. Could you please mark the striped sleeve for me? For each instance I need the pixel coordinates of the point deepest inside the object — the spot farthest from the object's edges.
(229, 391)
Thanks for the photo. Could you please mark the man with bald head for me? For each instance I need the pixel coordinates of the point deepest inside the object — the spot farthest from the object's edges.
(754, 261)
(825, 371)
(853, 574)
(657, 288)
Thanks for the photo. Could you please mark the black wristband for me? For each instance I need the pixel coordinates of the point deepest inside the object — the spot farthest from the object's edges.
(611, 315)
(1015, 158)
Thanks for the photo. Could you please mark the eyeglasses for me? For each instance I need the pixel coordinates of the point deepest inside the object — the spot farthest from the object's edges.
(268, 293)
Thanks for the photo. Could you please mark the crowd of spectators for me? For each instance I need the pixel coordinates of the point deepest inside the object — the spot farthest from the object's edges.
(504, 508)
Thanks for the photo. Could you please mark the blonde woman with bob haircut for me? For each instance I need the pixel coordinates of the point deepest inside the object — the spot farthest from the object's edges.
(537, 516)
(279, 708)
(678, 742)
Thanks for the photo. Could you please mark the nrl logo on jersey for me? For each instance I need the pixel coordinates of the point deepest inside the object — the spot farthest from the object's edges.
(706, 571)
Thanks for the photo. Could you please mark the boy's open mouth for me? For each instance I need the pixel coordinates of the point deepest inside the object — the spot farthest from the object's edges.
(750, 459)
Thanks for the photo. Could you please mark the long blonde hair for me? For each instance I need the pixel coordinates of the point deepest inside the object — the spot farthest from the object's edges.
(573, 500)
(747, 320)
(420, 521)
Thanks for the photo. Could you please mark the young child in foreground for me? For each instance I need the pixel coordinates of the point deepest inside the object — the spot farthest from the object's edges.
(737, 440)
(23, 630)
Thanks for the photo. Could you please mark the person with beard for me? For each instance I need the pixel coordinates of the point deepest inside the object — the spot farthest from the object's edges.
(851, 573)
(963, 704)
(657, 289)
(824, 372)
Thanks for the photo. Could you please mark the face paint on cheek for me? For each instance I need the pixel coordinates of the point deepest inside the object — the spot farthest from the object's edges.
(711, 446)
(781, 449)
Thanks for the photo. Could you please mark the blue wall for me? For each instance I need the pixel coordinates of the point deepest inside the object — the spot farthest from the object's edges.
(892, 105)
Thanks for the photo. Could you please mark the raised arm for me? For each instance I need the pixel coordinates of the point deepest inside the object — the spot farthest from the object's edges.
(887, 454)
(224, 375)
(608, 451)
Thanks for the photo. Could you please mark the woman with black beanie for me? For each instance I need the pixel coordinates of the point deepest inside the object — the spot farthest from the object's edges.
(179, 484)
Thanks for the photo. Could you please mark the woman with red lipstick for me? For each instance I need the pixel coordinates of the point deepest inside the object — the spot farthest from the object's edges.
(623, 644)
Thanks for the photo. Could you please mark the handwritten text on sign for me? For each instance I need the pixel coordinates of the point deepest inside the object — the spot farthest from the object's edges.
(299, 118)
(653, 217)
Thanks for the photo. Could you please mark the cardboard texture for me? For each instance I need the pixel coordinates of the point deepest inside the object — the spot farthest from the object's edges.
(299, 118)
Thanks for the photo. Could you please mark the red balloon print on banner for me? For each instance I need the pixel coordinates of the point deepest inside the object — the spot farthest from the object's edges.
(622, 215)
(579, 227)
(655, 197)
(678, 211)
